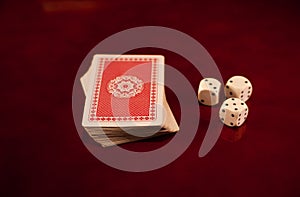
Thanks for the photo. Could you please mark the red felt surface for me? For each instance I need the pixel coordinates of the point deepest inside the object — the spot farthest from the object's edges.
(41, 153)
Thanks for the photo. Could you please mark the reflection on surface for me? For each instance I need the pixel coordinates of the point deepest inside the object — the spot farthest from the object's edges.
(233, 134)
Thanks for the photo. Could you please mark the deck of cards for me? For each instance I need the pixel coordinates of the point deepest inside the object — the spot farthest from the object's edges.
(125, 99)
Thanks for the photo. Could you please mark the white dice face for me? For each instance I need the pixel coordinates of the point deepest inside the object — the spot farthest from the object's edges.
(233, 112)
(209, 91)
(238, 87)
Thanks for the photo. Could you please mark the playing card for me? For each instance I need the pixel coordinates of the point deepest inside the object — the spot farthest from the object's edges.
(124, 90)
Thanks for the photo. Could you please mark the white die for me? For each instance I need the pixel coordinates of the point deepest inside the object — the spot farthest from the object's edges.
(233, 112)
(209, 91)
(238, 87)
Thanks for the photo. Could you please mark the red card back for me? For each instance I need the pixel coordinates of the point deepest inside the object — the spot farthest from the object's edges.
(125, 90)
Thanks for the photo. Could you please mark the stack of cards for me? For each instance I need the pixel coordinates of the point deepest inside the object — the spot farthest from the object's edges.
(125, 99)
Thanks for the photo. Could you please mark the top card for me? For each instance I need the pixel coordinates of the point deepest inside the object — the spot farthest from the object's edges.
(125, 90)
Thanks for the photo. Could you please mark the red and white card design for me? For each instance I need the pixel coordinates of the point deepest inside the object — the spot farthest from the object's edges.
(124, 90)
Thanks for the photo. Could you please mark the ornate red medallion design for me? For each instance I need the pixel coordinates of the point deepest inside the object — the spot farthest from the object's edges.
(125, 86)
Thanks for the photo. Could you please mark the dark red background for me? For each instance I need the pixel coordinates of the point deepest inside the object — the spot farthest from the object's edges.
(41, 153)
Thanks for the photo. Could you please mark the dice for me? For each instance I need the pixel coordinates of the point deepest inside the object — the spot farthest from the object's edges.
(209, 91)
(233, 112)
(238, 87)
